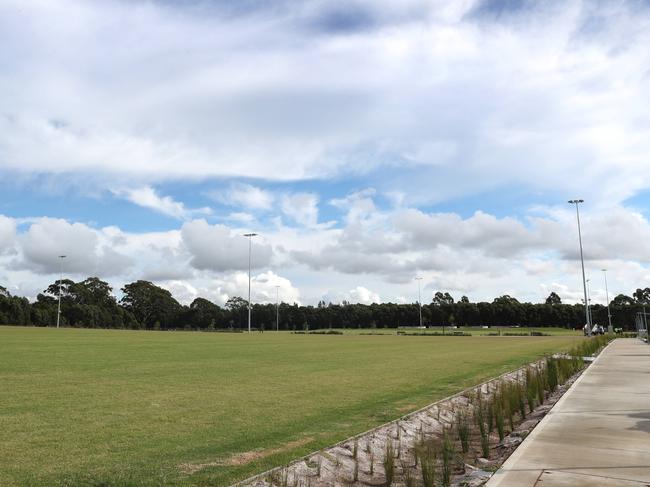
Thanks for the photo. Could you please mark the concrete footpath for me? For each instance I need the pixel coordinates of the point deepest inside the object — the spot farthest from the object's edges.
(598, 433)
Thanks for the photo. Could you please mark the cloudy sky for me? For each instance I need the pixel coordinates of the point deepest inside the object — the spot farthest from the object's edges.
(366, 141)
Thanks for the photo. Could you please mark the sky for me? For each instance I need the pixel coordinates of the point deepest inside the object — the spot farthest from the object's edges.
(367, 142)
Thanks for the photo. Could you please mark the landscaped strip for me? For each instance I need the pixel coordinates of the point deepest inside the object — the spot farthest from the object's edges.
(468, 434)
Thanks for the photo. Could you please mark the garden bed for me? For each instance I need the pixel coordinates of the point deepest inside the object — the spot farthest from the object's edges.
(459, 440)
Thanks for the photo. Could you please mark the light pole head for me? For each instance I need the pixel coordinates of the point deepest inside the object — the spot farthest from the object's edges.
(250, 235)
(576, 201)
(62, 256)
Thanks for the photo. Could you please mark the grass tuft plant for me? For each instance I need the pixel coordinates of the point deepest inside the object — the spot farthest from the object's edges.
(448, 453)
(531, 391)
(490, 415)
(409, 479)
(551, 373)
(463, 429)
(498, 418)
(479, 418)
(389, 463)
(428, 464)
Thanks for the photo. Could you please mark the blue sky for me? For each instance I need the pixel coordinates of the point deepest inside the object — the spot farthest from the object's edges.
(368, 142)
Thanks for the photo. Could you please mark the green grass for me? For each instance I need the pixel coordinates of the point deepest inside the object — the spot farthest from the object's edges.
(474, 330)
(102, 407)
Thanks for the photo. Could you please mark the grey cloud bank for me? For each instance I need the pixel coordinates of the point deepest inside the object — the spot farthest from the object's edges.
(427, 102)
(457, 90)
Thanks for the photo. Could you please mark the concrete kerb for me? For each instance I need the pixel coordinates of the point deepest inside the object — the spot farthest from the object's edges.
(396, 421)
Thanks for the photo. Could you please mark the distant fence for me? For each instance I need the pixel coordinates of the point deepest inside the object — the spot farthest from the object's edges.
(642, 325)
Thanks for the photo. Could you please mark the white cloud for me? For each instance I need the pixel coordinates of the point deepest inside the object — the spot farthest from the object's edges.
(147, 197)
(358, 294)
(459, 99)
(264, 287)
(362, 295)
(86, 249)
(374, 258)
(440, 100)
(302, 208)
(244, 196)
(7, 234)
(215, 247)
(241, 217)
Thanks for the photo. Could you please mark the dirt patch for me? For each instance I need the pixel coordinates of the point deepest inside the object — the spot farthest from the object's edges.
(244, 457)
(407, 408)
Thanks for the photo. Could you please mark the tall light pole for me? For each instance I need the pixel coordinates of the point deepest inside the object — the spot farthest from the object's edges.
(277, 308)
(58, 312)
(589, 301)
(250, 250)
(419, 300)
(610, 329)
(582, 262)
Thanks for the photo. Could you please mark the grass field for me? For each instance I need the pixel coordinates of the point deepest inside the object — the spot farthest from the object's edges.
(473, 330)
(101, 407)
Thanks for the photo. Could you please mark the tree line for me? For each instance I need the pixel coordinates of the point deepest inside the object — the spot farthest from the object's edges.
(91, 304)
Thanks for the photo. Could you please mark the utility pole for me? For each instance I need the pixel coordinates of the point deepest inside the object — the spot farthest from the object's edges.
(250, 250)
(277, 308)
(58, 312)
(582, 262)
(610, 329)
(589, 303)
(419, 300)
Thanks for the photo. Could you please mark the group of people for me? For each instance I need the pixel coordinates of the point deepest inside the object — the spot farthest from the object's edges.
(595, 330)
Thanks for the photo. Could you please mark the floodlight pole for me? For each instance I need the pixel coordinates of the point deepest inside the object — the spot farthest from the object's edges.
(589, 302)
(277, 308)
(419, 300)
(610, 329)
(582, 262)
(250, 250)
(58, 311)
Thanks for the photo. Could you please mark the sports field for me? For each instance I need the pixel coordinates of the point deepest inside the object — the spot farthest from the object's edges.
(472, 330)
(101, 407)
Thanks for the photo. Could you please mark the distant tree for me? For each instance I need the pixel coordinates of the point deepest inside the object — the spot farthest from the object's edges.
(505, 299)
(150, 304)
(14, 310)
(237, 306)
(204, 314)
(623, 300)
(553, 299)
(442, 298)
(236, 303)
(93, 291)
(90, 303)
(62, 286)
(642, 296)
